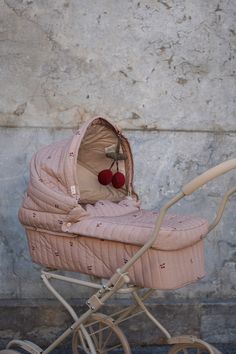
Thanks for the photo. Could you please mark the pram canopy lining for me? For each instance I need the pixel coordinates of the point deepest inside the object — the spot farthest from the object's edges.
(92, 159)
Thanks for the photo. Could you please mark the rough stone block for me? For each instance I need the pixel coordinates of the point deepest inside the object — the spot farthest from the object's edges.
(147, 65)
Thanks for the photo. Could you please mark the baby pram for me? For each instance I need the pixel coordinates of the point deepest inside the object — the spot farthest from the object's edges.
(75, 223)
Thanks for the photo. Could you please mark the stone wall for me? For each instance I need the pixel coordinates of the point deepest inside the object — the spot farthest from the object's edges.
(165, 72)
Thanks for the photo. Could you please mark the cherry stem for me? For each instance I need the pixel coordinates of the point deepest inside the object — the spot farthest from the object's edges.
(112, 164)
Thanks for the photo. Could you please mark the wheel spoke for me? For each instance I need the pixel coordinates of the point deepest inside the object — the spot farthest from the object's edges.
(84, 345)
(92, 334)
(106, 341)
(99, 335)
(112, 348)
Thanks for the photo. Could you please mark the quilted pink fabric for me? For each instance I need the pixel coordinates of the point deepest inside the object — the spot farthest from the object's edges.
(118, 222)
(156, 269)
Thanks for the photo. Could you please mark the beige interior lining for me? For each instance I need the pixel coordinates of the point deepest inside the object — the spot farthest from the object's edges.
(91, 160)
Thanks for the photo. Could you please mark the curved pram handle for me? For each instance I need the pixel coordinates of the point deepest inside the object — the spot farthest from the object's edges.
(209, 175)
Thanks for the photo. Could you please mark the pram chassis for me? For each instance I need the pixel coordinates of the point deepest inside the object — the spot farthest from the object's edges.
(119, 283)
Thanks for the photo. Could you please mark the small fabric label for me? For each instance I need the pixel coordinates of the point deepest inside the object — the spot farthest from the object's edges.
(111, 148)
(73, 190)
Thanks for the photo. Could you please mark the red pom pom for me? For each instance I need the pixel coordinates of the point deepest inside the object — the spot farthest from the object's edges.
(118, 180)
(105, 177)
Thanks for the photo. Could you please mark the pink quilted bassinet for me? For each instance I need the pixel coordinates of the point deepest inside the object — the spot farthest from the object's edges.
(75, 223)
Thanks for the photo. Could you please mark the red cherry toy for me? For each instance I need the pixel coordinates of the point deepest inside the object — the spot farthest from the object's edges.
(105, 177)
(118, 180)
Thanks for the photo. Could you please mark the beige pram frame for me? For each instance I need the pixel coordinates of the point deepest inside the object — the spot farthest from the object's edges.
(95, 332)
(53, 207)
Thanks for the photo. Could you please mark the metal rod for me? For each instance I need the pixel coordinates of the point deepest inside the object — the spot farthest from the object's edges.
(65, 334)
(222, 208)
(152, 318)
(85, 283)
(132, 308)
(59, 297)
(71, 280)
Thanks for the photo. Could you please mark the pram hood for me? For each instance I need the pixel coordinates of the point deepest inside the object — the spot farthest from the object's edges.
(63, 176)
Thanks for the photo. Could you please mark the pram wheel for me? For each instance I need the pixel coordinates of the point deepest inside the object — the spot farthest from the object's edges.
(102, 336)
(194, 348)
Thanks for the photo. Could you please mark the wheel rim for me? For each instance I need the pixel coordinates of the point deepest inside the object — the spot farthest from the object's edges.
(195, 348)
(99, 335)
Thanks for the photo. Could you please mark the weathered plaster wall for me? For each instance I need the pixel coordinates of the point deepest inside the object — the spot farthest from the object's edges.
(163, 70)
